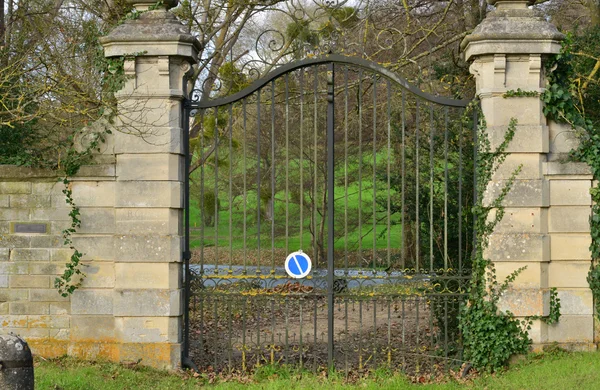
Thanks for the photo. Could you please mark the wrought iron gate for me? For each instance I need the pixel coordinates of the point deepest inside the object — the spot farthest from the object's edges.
(371, 177)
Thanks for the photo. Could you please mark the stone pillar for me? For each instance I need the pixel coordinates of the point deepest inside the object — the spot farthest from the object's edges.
(507, 51)
(147, 299)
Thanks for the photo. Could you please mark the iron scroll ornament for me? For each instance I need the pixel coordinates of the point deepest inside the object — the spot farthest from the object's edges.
(195, 103)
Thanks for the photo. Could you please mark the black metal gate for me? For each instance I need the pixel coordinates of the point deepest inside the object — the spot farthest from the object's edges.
(369, 176)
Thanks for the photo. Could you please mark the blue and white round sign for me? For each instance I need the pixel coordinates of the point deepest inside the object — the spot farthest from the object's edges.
(298, 265)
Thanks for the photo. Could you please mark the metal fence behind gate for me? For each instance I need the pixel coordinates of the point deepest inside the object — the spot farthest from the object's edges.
(369, 176)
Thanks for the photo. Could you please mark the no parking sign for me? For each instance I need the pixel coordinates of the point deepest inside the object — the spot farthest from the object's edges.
(298, 265)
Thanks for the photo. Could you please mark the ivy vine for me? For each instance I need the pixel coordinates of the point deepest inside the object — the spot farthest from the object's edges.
(561, 106)
(520, 93)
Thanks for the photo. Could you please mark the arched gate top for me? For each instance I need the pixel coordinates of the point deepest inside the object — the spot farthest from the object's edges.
(331, 58)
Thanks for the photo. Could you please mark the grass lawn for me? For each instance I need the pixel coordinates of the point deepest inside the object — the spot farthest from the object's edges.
(546, 371)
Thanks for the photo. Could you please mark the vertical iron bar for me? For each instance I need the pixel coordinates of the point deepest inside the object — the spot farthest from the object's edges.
(301, 153)
(417, 222)
(431, 174)
(245, 184)
(360, 91)
(258, 185)
(216, 191)
(315, 210)
(374, 260)
(186, 241)
(346, 170)
(389, 184)
(446, 188)
(330, 208)
(230, 187)
(460, 205)
(271, 203)
(287, 167)
(403, 152)
(475, 156)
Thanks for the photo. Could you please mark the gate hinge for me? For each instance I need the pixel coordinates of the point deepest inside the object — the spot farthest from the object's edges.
(187, 255)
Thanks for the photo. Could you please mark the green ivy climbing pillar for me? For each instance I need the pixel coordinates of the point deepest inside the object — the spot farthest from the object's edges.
(546, 212)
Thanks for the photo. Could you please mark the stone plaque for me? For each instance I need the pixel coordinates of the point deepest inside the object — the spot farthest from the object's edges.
(30, 228)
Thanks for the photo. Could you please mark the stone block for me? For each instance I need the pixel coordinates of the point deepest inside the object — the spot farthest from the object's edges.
(527, 139)
(565, 274)
(21, 254)
(522, 220)
(3, 281)
(559, 170)
(60, 308)
(14, 268)
(17, 187)
(97, 220)
(51, 322)
(148, 275)
(92, 302)
(60, 334)
(4, 201)
(46, 295)
(150, 167)
(148, 248)
(572, 329)
(524, 193)
(99, 274)
(570, 192)
(4, 254)
(569, 219)
(87, 328)
(47, 242)
(30, 201)
(46, 269)
(518, 247)
(47, 188)
(139, 118)
(31, 281)
(4, 308)
(13, 295)
(149, 221)
(28, 333)
(538, 332)
(563, 138)
(95, 247)
(570, 246)
(62, 255)
(531, 166)
(13, 321)
(52, 214)
(148, 329)
(534, 276)
(167, 194)
(99, 170)
(499, 111)
(15, 241)
(148, 303)
(14, 214)
(524, 302)
(160, 140)
(576, 302)
(29, 308)
(94, 193)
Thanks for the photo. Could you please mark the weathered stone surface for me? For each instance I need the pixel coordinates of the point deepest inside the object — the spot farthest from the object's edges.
(12, 268)
(92, 302)
(148, 275)
(32, 281)
(20, 254)
(563, 170)
(569, 219)
(14, 214)
(570, 246)
(149, 167)
(167, 194)
(99, 274)
(147, 303)
(527, 139)
(47, 242)
(524, 193)
(523, 220)
(139, 221)
(148, 248)
(570, 192)
(97, 220)
(60, 308)
(161, 140)
(571, 329)
(52, 214)
(95, 247)
(530, 166)
(576, 302)
(93, 194)
(17, 187)
(524, 302)
(39, 268)
(563, 138)
(4, 254)
(148, 329)
(85, 328)
(13, 294)
(565, 274)
(4, 201)
(29, 201)
(51, 322)
(29, 308)
(534, 276)
(518, 247)
(46, 295)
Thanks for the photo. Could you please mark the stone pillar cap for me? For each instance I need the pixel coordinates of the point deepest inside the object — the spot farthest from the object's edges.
(512, 28)
(155, 33)
(143, 5)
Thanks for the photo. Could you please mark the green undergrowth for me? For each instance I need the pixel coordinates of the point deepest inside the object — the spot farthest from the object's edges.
(556, 370)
